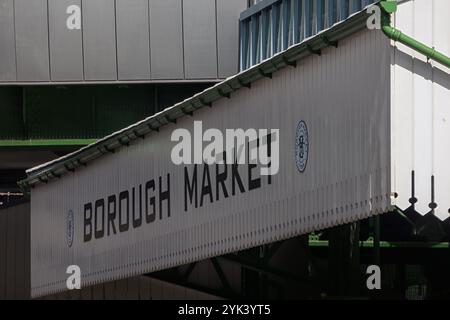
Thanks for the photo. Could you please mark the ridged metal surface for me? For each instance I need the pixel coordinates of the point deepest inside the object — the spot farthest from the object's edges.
(421, 110)
(118, 41)
(343, 96)
(271, 26)
(15, 252)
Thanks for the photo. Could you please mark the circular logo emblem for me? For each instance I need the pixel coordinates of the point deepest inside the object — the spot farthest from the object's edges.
(70, 224)
(301, 146)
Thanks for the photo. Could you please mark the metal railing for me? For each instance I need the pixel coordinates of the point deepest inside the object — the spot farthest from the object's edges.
(270, 26)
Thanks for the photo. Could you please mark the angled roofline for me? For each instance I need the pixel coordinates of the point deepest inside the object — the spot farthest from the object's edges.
(71, 162)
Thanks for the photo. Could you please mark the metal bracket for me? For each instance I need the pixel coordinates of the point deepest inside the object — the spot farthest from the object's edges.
(68, 169)
(313, 51)
(203, 102)
(170, 120)
(189, 113)
(247, 85)
(222, 94)
(267, 75)
(152, 129)
(108, 149)
(328, 42)
(81, 163)
(290, 63)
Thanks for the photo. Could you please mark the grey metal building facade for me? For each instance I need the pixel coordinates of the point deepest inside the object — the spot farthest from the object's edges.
(118, 40)
(376, 116)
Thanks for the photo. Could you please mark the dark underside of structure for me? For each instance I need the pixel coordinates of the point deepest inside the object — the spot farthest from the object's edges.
(411, 250)
(41, 123)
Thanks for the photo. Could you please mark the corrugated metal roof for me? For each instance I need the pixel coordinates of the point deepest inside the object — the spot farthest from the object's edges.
(70, 162)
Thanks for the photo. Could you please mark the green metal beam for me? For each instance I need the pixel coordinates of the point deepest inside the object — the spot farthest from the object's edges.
(46, 143)
(390, 7)
(389, 245)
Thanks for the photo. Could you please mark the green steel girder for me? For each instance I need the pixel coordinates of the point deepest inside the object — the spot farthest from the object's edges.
(46, 143)
(255, 265)
(389, 245)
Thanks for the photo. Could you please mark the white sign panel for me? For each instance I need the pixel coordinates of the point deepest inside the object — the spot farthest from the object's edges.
(136, 211)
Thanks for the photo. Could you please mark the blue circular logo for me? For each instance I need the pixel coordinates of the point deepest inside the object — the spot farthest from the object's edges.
(301, 146)
(70, 225)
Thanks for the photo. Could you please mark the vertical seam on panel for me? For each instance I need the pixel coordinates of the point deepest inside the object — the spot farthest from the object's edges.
(48, 42)
(116, 45)
(15, 38)
(149, 41)
(182, 40)
(82, 39)
(217, 40)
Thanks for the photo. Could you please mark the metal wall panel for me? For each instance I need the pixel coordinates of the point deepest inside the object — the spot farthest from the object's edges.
(227, 34)
(99, 40)
(66, 47)
(3, 246)
(420, 110)
(200, 43)
(166, 34)
(7, 42)
(15, 252)
(11, 262)
(119, 40)
(31, 24)
(346, 179)
(133, 48)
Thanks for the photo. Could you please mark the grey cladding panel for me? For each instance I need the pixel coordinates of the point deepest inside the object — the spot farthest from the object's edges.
(7, 45)
(66, 49)
(200, 45)
(228, 12)
(99, 36)
(3, 246)
(32, 40)
(166, 34)
(133, 52)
